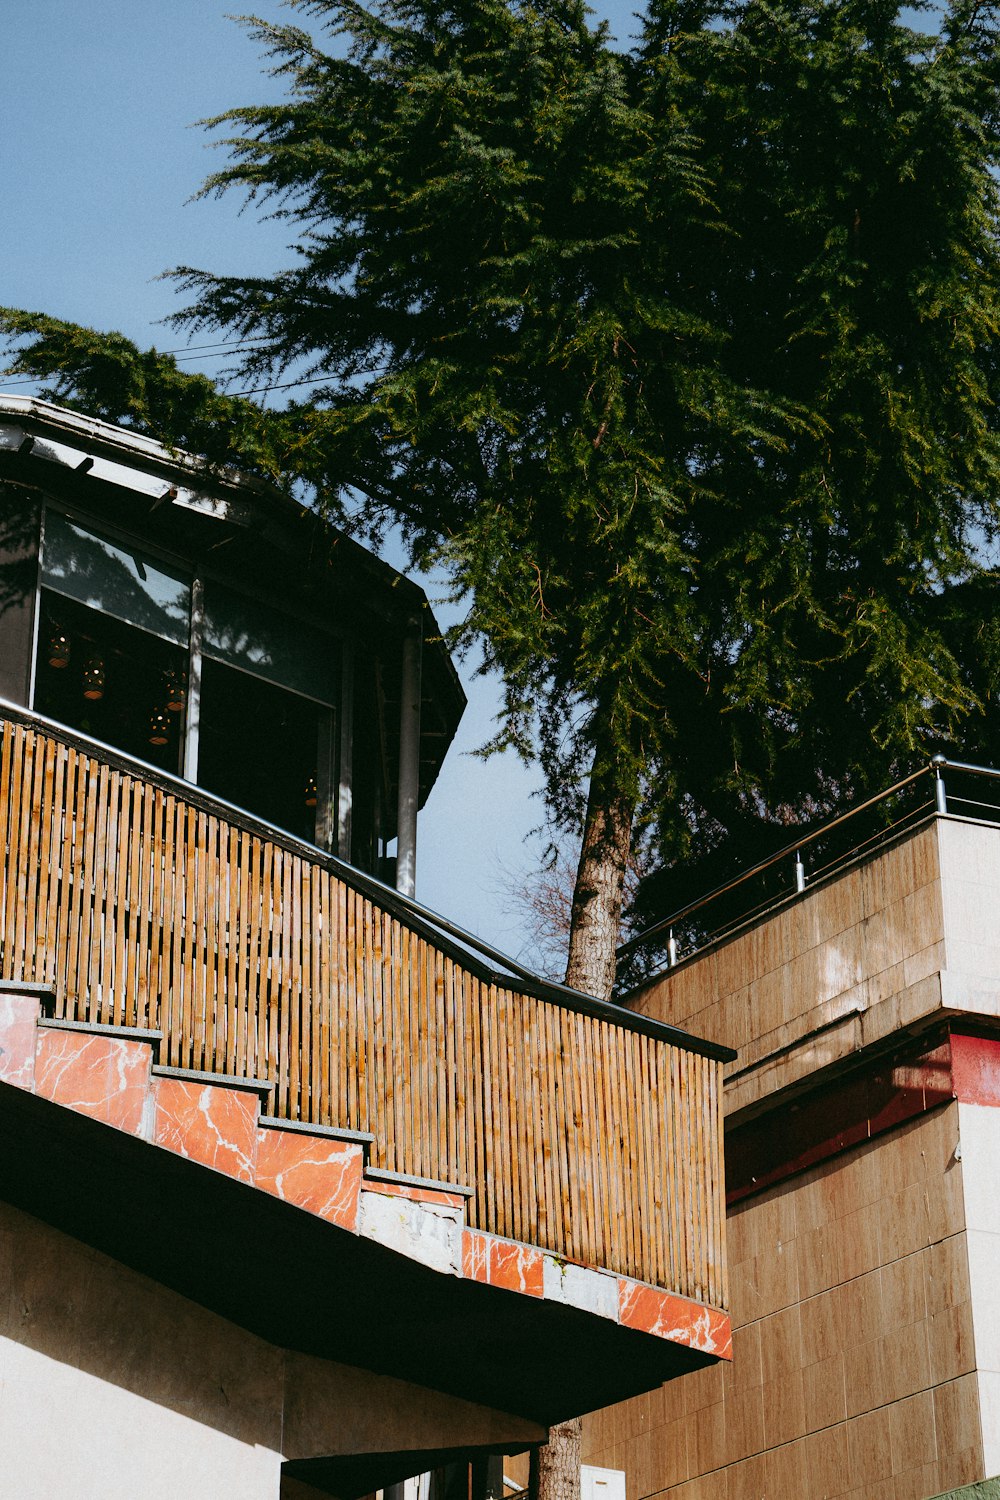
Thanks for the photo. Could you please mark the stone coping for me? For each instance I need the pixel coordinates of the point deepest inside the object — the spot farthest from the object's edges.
(226, 1080)
(381, 1174)
(335, 1132)
(98, 1028)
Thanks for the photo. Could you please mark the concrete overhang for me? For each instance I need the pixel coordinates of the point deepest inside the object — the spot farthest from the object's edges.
(308, 1285)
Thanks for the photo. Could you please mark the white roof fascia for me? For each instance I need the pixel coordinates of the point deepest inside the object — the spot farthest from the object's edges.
(124, 475)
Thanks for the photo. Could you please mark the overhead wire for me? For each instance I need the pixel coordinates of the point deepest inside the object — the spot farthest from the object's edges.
(183, 354)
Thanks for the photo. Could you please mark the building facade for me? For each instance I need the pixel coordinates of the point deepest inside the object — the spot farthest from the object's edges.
(302, 1193)
(863, 1161)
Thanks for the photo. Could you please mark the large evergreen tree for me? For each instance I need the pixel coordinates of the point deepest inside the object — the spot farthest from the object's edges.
(683, 360)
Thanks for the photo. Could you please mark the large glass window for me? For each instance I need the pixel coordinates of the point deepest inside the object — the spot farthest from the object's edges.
(251, 635)
(116, 648)
(109, 680)
(259, 748)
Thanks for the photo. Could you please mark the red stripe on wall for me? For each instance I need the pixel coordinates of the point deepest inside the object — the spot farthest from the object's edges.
(831, 1118)
(975, 1068)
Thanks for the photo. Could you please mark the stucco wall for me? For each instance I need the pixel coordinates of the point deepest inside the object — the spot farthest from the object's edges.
(113, 1388)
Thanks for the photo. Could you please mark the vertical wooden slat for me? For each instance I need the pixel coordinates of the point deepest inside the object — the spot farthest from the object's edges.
(577, 1146)
(358, 999)
(157, 975)
(181, 841)
(54, 854)
(222, 871)
(416, 1043)
(493, 1210)
(592, 1142)
(100, 878)
(613, 1145)
(348, 1006)
(137, 950)
(718, 1162)
(549, 1194)
(315, 996)
(276, 972)
(329, 1071)
(521, 1105)
(257, 946)
(8, 847)
(460, 1090)
(34, 863)
(652, 1166)
(14, 882)
(264, 854)
(288, 1066)
(475, 1077)
(20, 789)
(118, 899)
(82, 936)
(229, 948)
(71, 831)
(378, 1065)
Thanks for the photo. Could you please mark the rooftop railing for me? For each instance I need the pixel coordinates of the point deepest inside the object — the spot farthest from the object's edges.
(942, 786)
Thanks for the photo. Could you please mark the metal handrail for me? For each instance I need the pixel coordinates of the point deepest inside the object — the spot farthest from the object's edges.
(935, 768)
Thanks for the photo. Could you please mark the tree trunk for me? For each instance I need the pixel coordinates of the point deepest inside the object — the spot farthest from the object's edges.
(600, 881)
(555, 1469)
(593, 938)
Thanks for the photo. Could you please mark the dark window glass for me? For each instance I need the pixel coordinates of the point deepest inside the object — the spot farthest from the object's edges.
(125, 671)
(248, 634)
(258, 747)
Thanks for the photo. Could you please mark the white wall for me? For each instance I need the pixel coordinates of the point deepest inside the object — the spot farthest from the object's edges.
(113, 1388)
(65, 1432)
(979, 1127)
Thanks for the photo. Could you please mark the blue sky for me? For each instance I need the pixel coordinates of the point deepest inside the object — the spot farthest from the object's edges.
(98, 104)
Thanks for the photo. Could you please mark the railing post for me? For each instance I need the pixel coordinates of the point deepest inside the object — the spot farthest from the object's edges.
(800, 873)
(409, 759)
(940, 797)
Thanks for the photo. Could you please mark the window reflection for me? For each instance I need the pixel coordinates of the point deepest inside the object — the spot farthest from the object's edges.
(249, 634)
(258, 747)
(108, 577)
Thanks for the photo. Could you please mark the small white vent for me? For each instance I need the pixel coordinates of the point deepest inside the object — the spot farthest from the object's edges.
(601, 1484)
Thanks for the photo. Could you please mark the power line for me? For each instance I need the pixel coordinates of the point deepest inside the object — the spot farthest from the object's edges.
(254, 390)
(222, 344)
(286, 386)
(183, 354)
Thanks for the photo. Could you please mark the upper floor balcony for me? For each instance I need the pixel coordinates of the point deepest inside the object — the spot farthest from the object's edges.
(423, 1161)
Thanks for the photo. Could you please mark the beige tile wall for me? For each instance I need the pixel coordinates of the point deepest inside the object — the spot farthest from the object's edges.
(853, 1371)
(852, 960)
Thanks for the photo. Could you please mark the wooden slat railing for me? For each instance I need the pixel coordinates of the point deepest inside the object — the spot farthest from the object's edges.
(142, 906)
